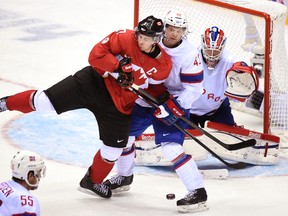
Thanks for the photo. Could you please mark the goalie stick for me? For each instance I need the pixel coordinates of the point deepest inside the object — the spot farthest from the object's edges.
(239, 165)
(230, 147)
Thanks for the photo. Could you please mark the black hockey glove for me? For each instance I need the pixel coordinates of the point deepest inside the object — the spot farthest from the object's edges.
(163, 97)
(125, 78)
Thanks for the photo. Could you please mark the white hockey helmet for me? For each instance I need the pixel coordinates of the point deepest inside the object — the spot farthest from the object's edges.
(176, 18)
(213, 43)
(24, 162)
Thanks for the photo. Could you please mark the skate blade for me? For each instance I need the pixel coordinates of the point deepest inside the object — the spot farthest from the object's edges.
(122, 189)
(89, 192)
(202, 206)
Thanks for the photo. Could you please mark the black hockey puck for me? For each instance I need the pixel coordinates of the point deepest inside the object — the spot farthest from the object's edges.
(170, 196)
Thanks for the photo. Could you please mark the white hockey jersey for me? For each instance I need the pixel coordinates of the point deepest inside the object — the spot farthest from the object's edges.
(186, 76)
(17, 200)
(214, 85)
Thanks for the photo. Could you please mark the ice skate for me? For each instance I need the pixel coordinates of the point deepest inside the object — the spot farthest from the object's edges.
(194, 201)
(119, 184)
(87, 186)
(3, 106)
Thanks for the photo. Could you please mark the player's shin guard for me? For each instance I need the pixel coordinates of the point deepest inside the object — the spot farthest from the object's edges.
(125, 163)
(184, 165)
(188, 172)
(22, 101)
(195, 199)
(100, 168)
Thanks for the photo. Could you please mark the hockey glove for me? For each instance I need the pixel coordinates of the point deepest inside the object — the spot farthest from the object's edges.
(169, 112)
(163, 97)
(242, 81)
(125, 78)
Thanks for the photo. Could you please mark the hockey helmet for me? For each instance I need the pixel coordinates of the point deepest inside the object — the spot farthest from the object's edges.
(176, 18)
(150, 26)
(213, 43)
(24, 162)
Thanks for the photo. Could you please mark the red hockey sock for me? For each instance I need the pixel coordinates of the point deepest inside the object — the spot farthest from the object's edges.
(21, 102)
(100, 168)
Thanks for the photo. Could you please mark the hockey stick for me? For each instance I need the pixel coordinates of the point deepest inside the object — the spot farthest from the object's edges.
(230, 147)
(239, 165)
(147, 149)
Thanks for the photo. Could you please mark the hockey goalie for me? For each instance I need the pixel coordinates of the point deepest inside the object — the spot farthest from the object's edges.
(241, 81)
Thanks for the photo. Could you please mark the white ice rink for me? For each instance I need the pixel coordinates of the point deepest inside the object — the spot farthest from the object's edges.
(42, 42)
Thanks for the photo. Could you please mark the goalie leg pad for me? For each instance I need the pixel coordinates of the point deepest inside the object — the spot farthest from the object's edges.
(265, 152)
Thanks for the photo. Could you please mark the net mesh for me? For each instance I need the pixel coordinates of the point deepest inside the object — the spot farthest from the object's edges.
(245, 38)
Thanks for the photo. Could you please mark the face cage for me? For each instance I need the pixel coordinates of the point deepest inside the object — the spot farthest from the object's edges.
(211, 56)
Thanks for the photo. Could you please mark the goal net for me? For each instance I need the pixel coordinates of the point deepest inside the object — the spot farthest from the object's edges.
(255, 32)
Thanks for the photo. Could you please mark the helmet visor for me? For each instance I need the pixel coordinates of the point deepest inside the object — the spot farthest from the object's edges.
(40, 173)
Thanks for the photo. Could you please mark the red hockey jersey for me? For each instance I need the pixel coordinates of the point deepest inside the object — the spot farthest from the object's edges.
(104, 58)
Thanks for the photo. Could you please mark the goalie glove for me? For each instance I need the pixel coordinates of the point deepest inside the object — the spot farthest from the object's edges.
(125, 78)
(242, 81)
(169, 112)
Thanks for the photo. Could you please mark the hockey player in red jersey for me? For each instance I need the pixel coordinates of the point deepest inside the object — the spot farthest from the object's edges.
(121, 58)
(184, 84)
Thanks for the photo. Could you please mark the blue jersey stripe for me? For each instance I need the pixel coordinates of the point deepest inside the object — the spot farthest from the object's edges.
(192, 78)
(181, 161)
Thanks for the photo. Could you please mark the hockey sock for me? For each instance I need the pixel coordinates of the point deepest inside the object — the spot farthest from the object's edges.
(21, 102)
(188, 172)
(100, 168)
(125, 163)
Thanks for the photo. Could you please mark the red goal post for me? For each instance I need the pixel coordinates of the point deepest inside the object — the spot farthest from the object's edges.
(255, 33)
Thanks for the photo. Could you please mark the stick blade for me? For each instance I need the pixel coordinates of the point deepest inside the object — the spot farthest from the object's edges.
(239, 165)
(241, 145)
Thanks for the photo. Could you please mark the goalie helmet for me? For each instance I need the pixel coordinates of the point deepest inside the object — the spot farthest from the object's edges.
(213, 43)
(150, 26)
(24, 162)
(242, 81)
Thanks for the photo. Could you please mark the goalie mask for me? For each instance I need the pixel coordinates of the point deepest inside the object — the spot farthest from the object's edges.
(213, 43)
(151, 27)
(176, 19)
(242, 81)
(24, 162)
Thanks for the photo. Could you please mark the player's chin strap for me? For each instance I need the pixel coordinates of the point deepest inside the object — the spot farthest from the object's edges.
(154, 103)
